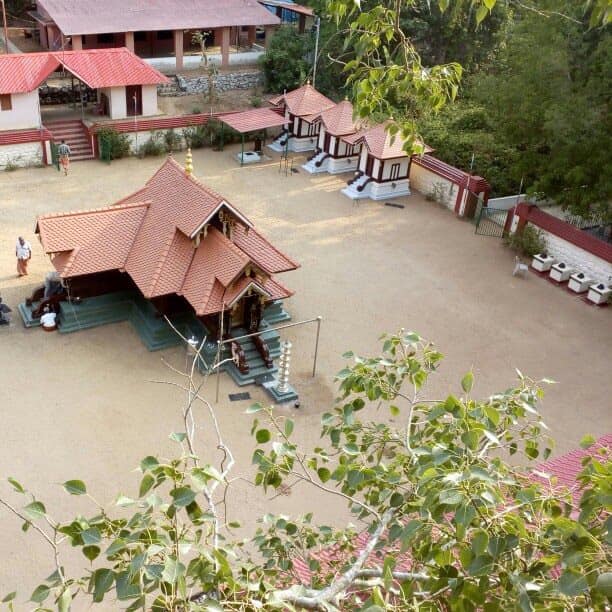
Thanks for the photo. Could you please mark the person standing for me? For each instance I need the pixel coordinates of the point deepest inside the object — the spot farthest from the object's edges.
(23, 251)
(64, 156)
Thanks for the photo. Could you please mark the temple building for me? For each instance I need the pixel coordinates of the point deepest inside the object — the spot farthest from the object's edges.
(174, 249)
(333, 154)
(301, 107)
(383, 169)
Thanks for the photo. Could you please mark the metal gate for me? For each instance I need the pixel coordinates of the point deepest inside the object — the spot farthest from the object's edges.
(491, 221)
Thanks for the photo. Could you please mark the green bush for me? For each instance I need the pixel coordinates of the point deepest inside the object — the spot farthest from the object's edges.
(153, 147)
(119, 144)
(172, 141)
(528, 242)
(195, 136)
(256, 101)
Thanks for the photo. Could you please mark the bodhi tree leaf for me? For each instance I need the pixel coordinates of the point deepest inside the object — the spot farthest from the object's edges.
(75, 487)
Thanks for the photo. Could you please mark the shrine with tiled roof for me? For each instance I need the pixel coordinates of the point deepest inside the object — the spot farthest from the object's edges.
(174, 249)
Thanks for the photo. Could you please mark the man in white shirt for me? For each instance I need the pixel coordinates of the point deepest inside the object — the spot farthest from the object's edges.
(23, 251)
(48, 321)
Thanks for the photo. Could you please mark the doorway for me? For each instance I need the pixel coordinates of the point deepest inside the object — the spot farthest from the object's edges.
(133, 100)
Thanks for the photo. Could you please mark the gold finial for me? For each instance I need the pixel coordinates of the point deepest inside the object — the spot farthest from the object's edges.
(189, 162)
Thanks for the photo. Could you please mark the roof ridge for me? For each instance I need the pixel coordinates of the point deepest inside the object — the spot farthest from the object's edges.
(297, 265)
(88, 211)
(73, 253)
(162, 260)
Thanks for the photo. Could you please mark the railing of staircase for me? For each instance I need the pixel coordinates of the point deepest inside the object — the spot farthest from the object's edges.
(316, 320)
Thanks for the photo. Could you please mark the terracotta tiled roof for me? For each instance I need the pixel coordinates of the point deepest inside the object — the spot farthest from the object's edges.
(96, 17)
(380, 143)
(24, 72)
(304, 101)
(156, 242)
(252, 120)
(91, 241)
(338, 120)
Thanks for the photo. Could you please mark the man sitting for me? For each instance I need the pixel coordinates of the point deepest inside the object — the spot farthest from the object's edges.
(5, 317)
(47, 320)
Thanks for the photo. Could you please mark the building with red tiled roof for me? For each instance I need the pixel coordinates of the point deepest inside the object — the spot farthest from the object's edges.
(333, 154)
(301, 107)
(383, 169)
(177, 243)
(154, 28)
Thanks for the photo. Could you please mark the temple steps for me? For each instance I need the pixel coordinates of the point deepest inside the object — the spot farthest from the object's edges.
(76, 136)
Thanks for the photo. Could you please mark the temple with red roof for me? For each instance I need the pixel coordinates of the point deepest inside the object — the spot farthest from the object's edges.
(175, 249)
(301, 106)
(333, 154)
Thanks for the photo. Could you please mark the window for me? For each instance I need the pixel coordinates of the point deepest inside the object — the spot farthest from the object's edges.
(395, 170)
(350, 150)
(313, 129)
(106, 39)
(164, 35)
(6, 103)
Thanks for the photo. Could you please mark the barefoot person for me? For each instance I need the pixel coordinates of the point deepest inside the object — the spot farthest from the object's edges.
(64, 156)
(23, 251)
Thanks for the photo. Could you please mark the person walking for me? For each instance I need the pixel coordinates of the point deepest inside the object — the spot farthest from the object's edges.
(64, 156)
(23, 252)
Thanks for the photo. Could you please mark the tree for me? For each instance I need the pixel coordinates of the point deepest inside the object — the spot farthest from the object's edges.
(430, 480)
(286, 64)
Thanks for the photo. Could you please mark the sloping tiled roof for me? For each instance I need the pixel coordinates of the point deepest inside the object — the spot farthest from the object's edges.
(91, 241)
(380, 143)
(304, 101)
(253, 119)
(338, 120)
(100, 17)
(24, 72)
(154, 242)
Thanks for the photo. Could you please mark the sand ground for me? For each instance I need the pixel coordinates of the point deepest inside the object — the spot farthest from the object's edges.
(83, 405)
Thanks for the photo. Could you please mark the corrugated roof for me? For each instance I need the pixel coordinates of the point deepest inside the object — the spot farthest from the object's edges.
(303, 101)
(24, 72)
(153, 242)
(253, 120)
(96, 17)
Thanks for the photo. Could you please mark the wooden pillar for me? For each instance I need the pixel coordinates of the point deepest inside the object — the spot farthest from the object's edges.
(217, 37)
(252, 35)
(302, 24)
(225, 44)
(129, 41)
(178, 48)
(77, 42)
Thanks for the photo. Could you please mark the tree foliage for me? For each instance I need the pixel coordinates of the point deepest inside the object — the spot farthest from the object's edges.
(430, 479)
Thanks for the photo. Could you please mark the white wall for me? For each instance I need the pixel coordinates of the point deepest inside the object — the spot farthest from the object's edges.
(24, 114)
(403, 171)
(321, 137)
(375, 168)
(21, 155)
(116, 102)
(363, 158)
(599, 269)
(426, 182)
(149, 100)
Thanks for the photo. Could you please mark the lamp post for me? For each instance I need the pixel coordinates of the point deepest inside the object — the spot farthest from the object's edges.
(6, 38)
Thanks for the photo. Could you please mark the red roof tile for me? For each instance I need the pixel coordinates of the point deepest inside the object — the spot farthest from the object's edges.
(338, 120)
(24, 72)
(304, 101)
(156, 247)
(252, 120)
(91, 241)
(95, 17)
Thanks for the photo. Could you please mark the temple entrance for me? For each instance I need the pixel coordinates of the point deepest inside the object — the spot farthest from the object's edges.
(247, 313)
(133, 100)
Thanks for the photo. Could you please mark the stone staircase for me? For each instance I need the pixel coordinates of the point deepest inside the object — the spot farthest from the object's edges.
(74, 132)
(355, 189)
(279, 144)
(316, 163)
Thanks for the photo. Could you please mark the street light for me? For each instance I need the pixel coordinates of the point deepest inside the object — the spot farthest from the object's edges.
(6, 38)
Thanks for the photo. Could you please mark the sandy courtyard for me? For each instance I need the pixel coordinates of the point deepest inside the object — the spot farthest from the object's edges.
(83, 405)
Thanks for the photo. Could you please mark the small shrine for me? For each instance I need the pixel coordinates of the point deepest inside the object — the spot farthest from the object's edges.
(174, 253)
(301, 108)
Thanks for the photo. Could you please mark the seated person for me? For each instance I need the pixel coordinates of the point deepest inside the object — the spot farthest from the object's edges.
(5, 317)
(47, 320)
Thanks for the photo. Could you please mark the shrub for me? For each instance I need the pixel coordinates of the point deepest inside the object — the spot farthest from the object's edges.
(119, 144)
(10, 166)
(528, 242)
(196, 110)
(195, 136)
(256, 101)
(152, 147)
(172, 141)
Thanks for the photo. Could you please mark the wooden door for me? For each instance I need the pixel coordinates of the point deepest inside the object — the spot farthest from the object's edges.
(133, 100)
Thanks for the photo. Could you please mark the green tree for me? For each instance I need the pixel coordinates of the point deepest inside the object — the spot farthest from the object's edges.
(430, 479)
(287, 62)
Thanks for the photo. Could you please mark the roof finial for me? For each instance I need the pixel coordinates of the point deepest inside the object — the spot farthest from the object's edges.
(189, 162)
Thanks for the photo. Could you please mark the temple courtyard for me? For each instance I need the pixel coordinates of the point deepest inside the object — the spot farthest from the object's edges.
(91, 404)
